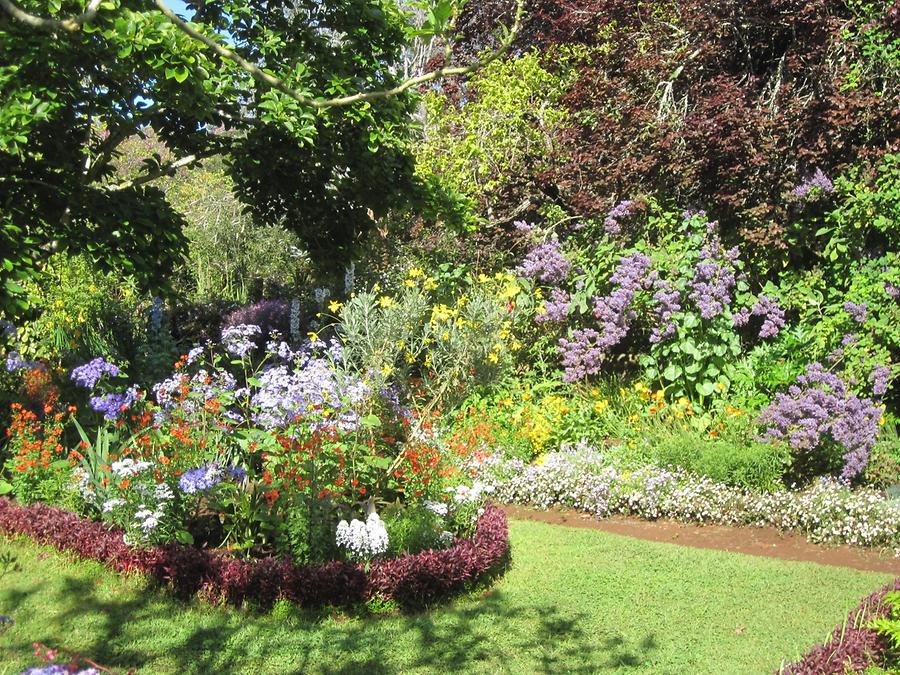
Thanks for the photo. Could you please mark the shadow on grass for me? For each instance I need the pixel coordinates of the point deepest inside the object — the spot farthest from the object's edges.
(478, 634)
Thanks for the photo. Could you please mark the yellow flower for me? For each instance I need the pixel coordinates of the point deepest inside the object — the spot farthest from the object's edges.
(313, 336)
(881, 421)
(538, 293)
(720, 386)
(334, 306)
(483, 278)
(445, 335)
(410, 358)
(429, 284)
(409, 283)
(385, 301)
(493, 358)
(416, 272)
(386, 370)
(512, 290)
(601, 406)
(595, 392)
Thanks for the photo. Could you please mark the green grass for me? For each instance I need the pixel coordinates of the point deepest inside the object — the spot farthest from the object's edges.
(574, 600)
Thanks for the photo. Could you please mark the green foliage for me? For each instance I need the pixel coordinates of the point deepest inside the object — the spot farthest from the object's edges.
(81, 313)
(749, 464)
(412, 529)
(888, 627)
(70, 97)
(883, 469)
(481, 141)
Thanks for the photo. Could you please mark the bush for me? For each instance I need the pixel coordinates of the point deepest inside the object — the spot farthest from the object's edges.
(413, 580)
(752, 465)
(413, 529)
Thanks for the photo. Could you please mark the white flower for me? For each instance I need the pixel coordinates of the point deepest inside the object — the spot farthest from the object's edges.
(128, 467)
(437, 508)
(111, 504)
(364, 540)
(163, 492)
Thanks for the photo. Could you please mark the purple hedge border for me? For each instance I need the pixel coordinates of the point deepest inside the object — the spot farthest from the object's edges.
(412, 580)
(852, 646)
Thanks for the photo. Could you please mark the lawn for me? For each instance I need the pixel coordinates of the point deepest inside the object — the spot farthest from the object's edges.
(573, 600)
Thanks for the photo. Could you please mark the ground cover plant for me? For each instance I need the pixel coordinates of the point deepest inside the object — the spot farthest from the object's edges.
(581, 613)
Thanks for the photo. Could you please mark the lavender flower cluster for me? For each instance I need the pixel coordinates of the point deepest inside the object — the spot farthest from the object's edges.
(546, 263)
(817, 181)
(113, 404)
(580, 477)
(89, 374)
(556, 308)
(240, 340)
(621, 210)
(208, 476)
(771, 313)
(714, 276)
(820, 407)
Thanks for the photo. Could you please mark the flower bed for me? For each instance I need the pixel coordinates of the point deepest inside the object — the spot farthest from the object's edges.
(581, 478)
(412, 580)
(853, 645)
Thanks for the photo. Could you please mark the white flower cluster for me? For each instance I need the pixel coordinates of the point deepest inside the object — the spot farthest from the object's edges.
(827, 511)
(111, 505)
(363, 540)
(146, 519)
(82, 482)
(465, 494)
(128, 467)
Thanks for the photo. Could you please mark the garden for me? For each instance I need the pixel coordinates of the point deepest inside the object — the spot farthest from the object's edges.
(501, 336)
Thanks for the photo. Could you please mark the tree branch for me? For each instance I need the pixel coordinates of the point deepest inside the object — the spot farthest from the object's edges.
(320, 103)
(164, 170)
(71, 24)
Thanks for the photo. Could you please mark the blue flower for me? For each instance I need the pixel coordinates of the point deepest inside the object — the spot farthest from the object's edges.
(90, 373)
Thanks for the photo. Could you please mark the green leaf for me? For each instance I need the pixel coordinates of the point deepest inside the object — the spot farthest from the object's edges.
(184, 537)
(705, 388)
(370, 421)
(672, 372)
(5, 488)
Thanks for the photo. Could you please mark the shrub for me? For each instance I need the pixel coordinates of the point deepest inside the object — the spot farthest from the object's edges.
(853, 646)
(269, 315)
(752, 465)
(412, 580)
(583, 478)
(413, 529)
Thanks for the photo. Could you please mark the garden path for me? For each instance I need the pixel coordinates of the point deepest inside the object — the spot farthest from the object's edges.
(761, 541)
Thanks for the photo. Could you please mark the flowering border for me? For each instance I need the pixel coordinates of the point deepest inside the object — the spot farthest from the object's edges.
(413, 581)
(853, 646)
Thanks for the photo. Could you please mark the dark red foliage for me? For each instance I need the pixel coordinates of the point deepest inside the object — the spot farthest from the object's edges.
(852, 647)
(413, 580)
(269, 315)
(718, 105)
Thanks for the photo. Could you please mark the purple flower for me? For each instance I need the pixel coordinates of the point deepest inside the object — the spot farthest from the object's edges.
(668, 302)
(523, 227)
(621, 210)
(545, 262)
(556, 308)
(114, 404)
(857, 312)
(892, 291)
(240, 340)
(714, 275)
(817, 181)
(6, 620)
(238, 473)
(773, 316)
(881, 376)
(90, 373)
(582, 355)
(848, 339)
(818, 407)
(194, 354)
(15, 363)
(201, 479)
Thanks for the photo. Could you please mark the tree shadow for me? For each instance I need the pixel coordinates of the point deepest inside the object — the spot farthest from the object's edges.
(451, 637)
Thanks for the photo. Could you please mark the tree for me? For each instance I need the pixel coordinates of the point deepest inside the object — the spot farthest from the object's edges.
(302, 99)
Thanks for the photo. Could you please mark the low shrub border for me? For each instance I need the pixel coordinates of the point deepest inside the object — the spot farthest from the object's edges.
(579, 477)
(412, 581)
(852, 647)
